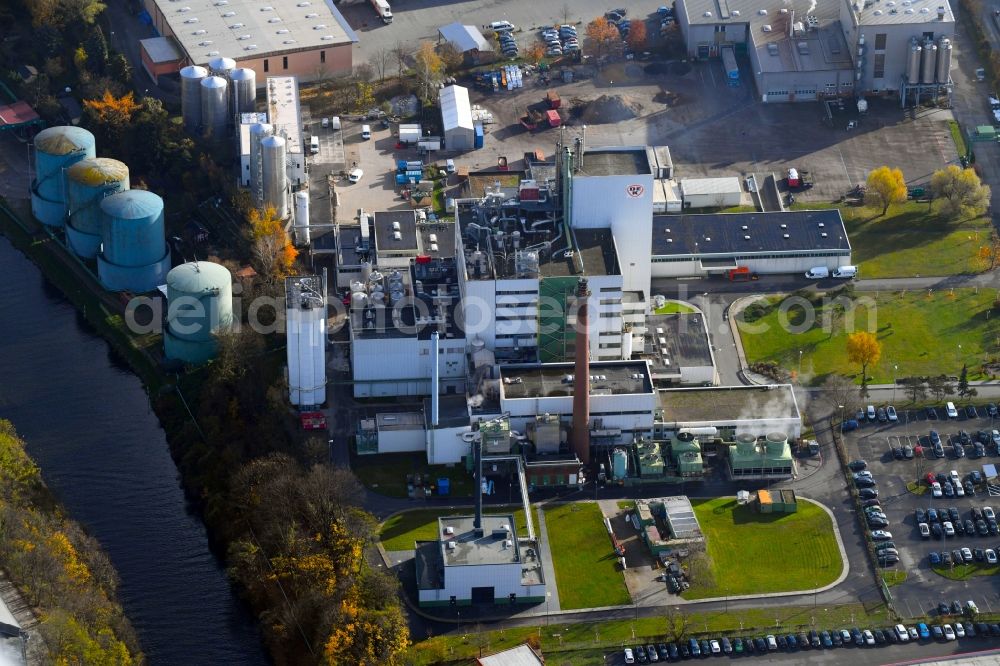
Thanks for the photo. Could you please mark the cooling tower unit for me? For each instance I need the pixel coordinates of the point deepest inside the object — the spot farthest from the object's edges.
(56, 149)
(191, 78)
(134, 254)
(214, 107)
(943, 60)
(929, 62)
(199, 304)
(258, 133)
(913, 63)
(746, 445)
(776, 442)
(275, 180)
(244, 93)
(221, 66)
(302, 218)
(87, 183)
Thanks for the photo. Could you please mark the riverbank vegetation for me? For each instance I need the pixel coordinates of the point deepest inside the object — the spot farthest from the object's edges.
(60, 570)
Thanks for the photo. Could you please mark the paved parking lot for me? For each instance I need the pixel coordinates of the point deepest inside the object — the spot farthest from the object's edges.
(874, 442)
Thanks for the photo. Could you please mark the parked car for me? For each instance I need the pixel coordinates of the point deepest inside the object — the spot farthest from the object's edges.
(868, 493)
(991, 410)
(881, 415)
(925, 530)
(932, 414)
(932, 516)
(936, 489)
(991, 556)
(934, 557)
(949, 632)
(857, 465)
(967, 558)
(937, 632)
(920, 515)
(970, 411)
(890, 412)
(881, 535)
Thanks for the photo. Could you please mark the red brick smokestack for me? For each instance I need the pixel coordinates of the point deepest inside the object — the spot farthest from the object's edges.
(581, 380)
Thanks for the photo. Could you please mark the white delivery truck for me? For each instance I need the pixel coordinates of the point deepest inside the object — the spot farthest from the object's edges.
(383, 9)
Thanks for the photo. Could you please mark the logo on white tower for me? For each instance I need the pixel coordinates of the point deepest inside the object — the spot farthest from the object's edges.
(634, 191)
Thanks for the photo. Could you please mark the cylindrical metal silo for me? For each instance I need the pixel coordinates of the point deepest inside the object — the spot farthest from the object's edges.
(913, 63)
(258, 133)
(87, 183)
(272, 150)
(191, 78)
(302, 236)
(244, 92)
(134, 254)
(929, 62)
(214, 106)
(943, 60)
(221, 66)
(56, 149)
(199, 304)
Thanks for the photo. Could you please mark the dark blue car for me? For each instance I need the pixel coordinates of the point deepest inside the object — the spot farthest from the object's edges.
(849, 425)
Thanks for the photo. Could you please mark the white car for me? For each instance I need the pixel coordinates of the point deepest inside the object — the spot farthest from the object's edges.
(891, 413)
(991, 556)
(949, 529)
(902, 634)
(355, 175)
(716, 648)
(881, 535)
(925, 530)
(629, 657)
(936, 489)
(914, 634)
(959, 490)
(988, 513)
(949, 633)
(959, 630)
(869, 637)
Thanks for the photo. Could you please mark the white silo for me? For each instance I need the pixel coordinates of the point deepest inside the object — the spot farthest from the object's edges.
(943, 60)
(214, 106)
(258, 133)
(244, 90)
(221, 66)
(913, 63)
(191, 78)
(302, 236)
(929, 62)
(305, 328)
(272, 149)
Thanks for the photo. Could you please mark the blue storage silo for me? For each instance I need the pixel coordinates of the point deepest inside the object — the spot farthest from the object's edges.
(134, 254)
(199, 303)
(56, 148)
(87, 183)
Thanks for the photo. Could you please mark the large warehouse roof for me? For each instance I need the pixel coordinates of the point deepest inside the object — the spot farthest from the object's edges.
(748, 233)
(455, 108)
(242, 29)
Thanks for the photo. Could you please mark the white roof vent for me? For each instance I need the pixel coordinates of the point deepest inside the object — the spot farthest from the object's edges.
(312, 15)
(289, 41)
(772, 49)
(746, 238)
(236, 26)
(452, 545)
(327, 38)
(821, 225)
(207, 42)
(449, 530)
(783, 10)
(319, 26)
(708, 239)
(784, 226)
(201, 32)
(744, 227)
(229, 14)
(434, 247)
(267, 8)
(735, 12)
(243, 38)
(222, 3)
(396, 235)
(909, 10)
(823, 235)
(183, 10)
(305, 3)
(707, 14)
(766, 27)
(283, 31)
(762, 12)
(250, 47)
(274, 20)
(193, 19)
(784, 235)
(877, 12)
(925, 10)
(213, 53)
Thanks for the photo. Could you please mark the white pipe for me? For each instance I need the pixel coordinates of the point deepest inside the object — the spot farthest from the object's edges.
(435, 379)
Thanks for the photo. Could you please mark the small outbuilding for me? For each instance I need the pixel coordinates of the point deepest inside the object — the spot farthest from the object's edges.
(711, 192)
(456, 118)
(467, 40)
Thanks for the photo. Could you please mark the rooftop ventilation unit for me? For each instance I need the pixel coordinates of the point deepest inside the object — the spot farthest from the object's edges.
(267, 8)
(274, 20)
(784, 226)
(772, 49)
(327, 38)
(449, 530)
(288, 41)
(823, 235)
(762, 12)
(212, 54)
(229, 14)
(236, 26)
(766, 27)
(746, 238)
(452, 545)
(319, 26)
(312, 15)
(821, 225)
(735, 12)
(283, 31)
(803, 48)
(707, 14)
(396, 235)
(193, 19)
(784, 235)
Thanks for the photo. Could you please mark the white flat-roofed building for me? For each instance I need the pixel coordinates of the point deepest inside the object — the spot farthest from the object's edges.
(622, 399)
(489, 565)
(711, 192)
(304, 38)
(285, 116)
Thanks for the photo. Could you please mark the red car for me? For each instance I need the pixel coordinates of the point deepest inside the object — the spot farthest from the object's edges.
(929, 478)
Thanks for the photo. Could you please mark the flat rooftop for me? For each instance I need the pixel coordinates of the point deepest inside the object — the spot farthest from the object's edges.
(348, 244)
(903, 12)
(436, 239)
(736, 12)
(162, 49)
(283, 110)
(680, 516)
(304, 292)
(727, 233)
(399, 421)
(248, 120)
(820, 49)
(396, 231)
(453, 411)
(551, 380)
(596, 248)
(243, 29)
(728, 403)
(681, 339)
(614, 162)
(497, 545)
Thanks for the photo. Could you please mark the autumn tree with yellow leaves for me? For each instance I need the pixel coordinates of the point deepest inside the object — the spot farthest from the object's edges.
(110, 116)
(863, 349)
(273, 252)
(885, 187)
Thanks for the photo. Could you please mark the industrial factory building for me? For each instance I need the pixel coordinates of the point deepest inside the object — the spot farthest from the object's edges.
(779, 242)
(679, 350)
(305, 327)
(729, 410)
(456, 118)
(802, 50)
(307, 39)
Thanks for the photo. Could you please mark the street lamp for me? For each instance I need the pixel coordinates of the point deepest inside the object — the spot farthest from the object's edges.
(800, 366)
(895, 371)
(841, 421)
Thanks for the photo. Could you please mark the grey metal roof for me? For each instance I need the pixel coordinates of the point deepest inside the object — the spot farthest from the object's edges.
(724, 233)
(242, 29)
(693, 186)
(902, 12)
(464, 37)
(551, 379)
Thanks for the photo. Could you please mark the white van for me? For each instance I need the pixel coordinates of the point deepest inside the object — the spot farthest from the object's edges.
(366, 132)
(501, 26)
(449, 166)
(846, 272)
(335, 123)
(952, 412)
(313, 144)
(818, 273)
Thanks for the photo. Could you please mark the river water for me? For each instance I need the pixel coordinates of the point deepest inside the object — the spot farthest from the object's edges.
(88, 424)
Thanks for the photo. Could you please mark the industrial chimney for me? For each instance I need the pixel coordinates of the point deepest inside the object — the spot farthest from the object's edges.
(581, 379)
(477, 456)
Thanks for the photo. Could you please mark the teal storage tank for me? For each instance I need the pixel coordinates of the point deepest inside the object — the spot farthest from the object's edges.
(56, 149)
(199, 303)
(87, 183)
(134, 254)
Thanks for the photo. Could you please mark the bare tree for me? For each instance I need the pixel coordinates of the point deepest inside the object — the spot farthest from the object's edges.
(380, 61)
(841, 391)
(565, 12)
(399, 54)
(677, 623)
(364, 72)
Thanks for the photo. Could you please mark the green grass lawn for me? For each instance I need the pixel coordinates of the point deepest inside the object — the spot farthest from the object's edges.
(967, 571)
(754, 553)
(401, 530)
(892, 578)
(923, 334)
(386, 473)
(585, 643)
(911, 241)
(674, 307)
(586, 568)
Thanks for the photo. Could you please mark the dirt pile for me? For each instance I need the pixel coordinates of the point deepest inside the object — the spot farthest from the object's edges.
(610, 109)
